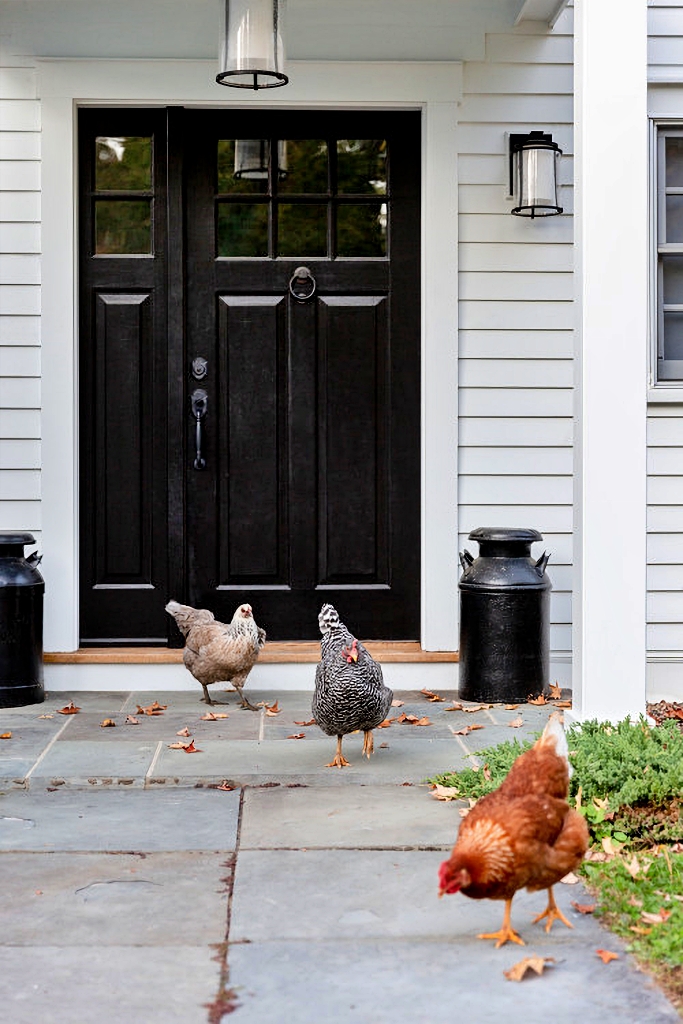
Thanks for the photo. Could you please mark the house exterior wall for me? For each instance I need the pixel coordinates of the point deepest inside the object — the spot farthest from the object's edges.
(516, 311)
(20, 507)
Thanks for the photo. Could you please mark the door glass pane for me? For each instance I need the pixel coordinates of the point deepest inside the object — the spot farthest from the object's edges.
(123, 163)
(305, 166)
(242, 229)
(362, 230)
(302, 230)
(123, 228)
(243, 165)
(674, 162)
(362, 166)
(673, 336)
(674, 219)
(672, 267)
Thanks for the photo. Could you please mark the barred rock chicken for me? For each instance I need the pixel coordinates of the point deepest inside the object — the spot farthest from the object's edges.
(215, 652)
(349, 691)
(524, 834)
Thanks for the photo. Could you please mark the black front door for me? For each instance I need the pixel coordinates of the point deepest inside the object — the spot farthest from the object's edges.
(250, 369)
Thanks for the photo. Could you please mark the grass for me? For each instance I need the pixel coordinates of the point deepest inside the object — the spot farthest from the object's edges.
(628, 783)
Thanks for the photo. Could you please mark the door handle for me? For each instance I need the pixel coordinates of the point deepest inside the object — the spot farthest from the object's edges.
(302, 284)
(199, 401)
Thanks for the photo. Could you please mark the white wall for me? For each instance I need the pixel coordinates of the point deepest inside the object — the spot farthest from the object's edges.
(516, 313)
(19, 300)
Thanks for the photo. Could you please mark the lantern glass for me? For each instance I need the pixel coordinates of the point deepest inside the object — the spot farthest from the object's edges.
(251, 54)
(252, 159)
(534, 160)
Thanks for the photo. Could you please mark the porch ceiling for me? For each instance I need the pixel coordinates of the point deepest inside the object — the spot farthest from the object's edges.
(315, 30)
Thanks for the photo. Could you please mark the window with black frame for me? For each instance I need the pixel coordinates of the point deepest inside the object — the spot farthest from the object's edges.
(669, 285)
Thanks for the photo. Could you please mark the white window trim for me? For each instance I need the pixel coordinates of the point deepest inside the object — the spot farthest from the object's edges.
(435, 89)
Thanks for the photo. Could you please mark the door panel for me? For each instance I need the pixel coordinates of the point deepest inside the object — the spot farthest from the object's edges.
(310, 492)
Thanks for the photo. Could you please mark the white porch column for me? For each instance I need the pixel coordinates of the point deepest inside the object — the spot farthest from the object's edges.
(611, 241)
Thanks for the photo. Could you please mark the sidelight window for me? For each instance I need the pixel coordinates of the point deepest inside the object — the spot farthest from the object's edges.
(123, 195)
(669, 253)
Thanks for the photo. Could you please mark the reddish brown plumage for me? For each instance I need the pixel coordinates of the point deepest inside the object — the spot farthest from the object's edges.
(523, 835)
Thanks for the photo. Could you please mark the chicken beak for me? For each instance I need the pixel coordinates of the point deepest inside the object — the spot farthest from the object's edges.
(442, 892)
(354, 655)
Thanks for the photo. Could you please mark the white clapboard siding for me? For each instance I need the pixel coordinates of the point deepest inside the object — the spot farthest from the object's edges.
(20, 484)
(19, 268)
(665, 637)
(20, 299)
(20, 423)
(492, 344)
(546, 518)
(560, 636)
(18, 83)
(665, 607)
(19, 145)
(665, 548)
(19, 116)
(19, 330)
(522, 259)
(555, 109)
(544, 48)
(665, 461)
(515, 461)
(516, 316)
(498, 491)
(19, 207)
(19, 393)
(493, 169)
(516, 373)
(665, 490)
(16, 237)
(19, 175)
(503, 227)
(515, 431)
(501, 79)
(19, 361)
(19, 453)
(665, 577)
(560, 544)
(18, 516)
(493, 199)
(510, 286)
(516, 402)
(665, 431)
(665, 518)
(490, 137)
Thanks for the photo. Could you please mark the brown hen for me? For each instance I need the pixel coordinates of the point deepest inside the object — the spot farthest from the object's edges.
(216, 652)
(523, 835)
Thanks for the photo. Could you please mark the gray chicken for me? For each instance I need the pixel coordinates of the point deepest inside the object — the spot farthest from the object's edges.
(219, 652)
(349, 691)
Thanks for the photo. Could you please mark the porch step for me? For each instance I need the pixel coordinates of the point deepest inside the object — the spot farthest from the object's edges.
(295, 652)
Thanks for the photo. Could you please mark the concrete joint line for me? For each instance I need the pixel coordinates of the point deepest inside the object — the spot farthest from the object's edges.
(157, 754)
(48, 748)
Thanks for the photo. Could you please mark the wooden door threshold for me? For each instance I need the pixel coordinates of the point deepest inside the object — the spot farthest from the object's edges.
(292, 652)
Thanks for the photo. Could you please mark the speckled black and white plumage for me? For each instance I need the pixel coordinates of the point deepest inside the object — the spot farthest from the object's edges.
(349, 695)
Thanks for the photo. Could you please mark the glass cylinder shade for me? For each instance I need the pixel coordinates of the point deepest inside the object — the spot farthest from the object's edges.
(535, 158)
(251, 55)
(252, 159)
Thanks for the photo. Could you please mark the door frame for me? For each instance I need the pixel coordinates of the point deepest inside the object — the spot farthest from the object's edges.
(433, 88)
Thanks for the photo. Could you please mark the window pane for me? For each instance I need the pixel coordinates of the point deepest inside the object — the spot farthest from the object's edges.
(243, 229)
(362, 230)
(674, 219)
(302, 230)
(672, 267)
(361, 165)
(305, 162)
(123, 228)
(673, 336)
(243, 165)
(123, 164)
(674, 162)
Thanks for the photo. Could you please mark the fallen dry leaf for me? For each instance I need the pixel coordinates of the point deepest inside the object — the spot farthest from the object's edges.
(431, 696)
(383, 745)
(386, 723)
(213, 716)
(69, 709)
(152, 709)
(659, 918)
(606, 955)
(511, 707)
(46, 716)
(189, 748)
(555, 691)
(270, 709)
(444, 792)
(537, 700)
(477, 707)
(584, 908)
(297, 736)
(611, 846)
(529, 963)
(464, 811)
(132, 720)
(311, 722)
(563, 704)
(570, 879)
(413, 720)
(397, 703)
(486, 772)
(183, 732)
(516, 723)
(634, 901)
(225, 786)
(107, 723)
(6, 736)
(454, 707)
(639, 930)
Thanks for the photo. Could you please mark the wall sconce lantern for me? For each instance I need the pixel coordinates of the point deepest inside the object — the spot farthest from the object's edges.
(251, 55)
(533, 174)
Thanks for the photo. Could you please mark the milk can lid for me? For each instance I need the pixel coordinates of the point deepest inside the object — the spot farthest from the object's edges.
(17, 538)
(505, 533)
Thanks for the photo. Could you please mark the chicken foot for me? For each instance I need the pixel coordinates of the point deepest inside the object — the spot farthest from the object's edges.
(507, 932)
(552, 912)
(339, 761)
(368, 743)
(246, 703)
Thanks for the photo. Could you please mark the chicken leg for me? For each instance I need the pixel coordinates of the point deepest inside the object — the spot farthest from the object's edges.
(368, 743)
(507, 932)
(339, 760)
(552, 912)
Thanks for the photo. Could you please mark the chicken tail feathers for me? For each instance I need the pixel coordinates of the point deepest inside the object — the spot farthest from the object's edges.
(554, 735)
(186, 617)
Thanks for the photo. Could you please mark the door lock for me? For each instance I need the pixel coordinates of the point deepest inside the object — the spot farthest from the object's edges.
(200, 368)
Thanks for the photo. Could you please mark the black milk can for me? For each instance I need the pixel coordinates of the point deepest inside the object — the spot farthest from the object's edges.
(504, 617)
(21, 623)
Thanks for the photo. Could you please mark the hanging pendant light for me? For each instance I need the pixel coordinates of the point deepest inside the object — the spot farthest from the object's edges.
(251, 55)
(533, 174)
